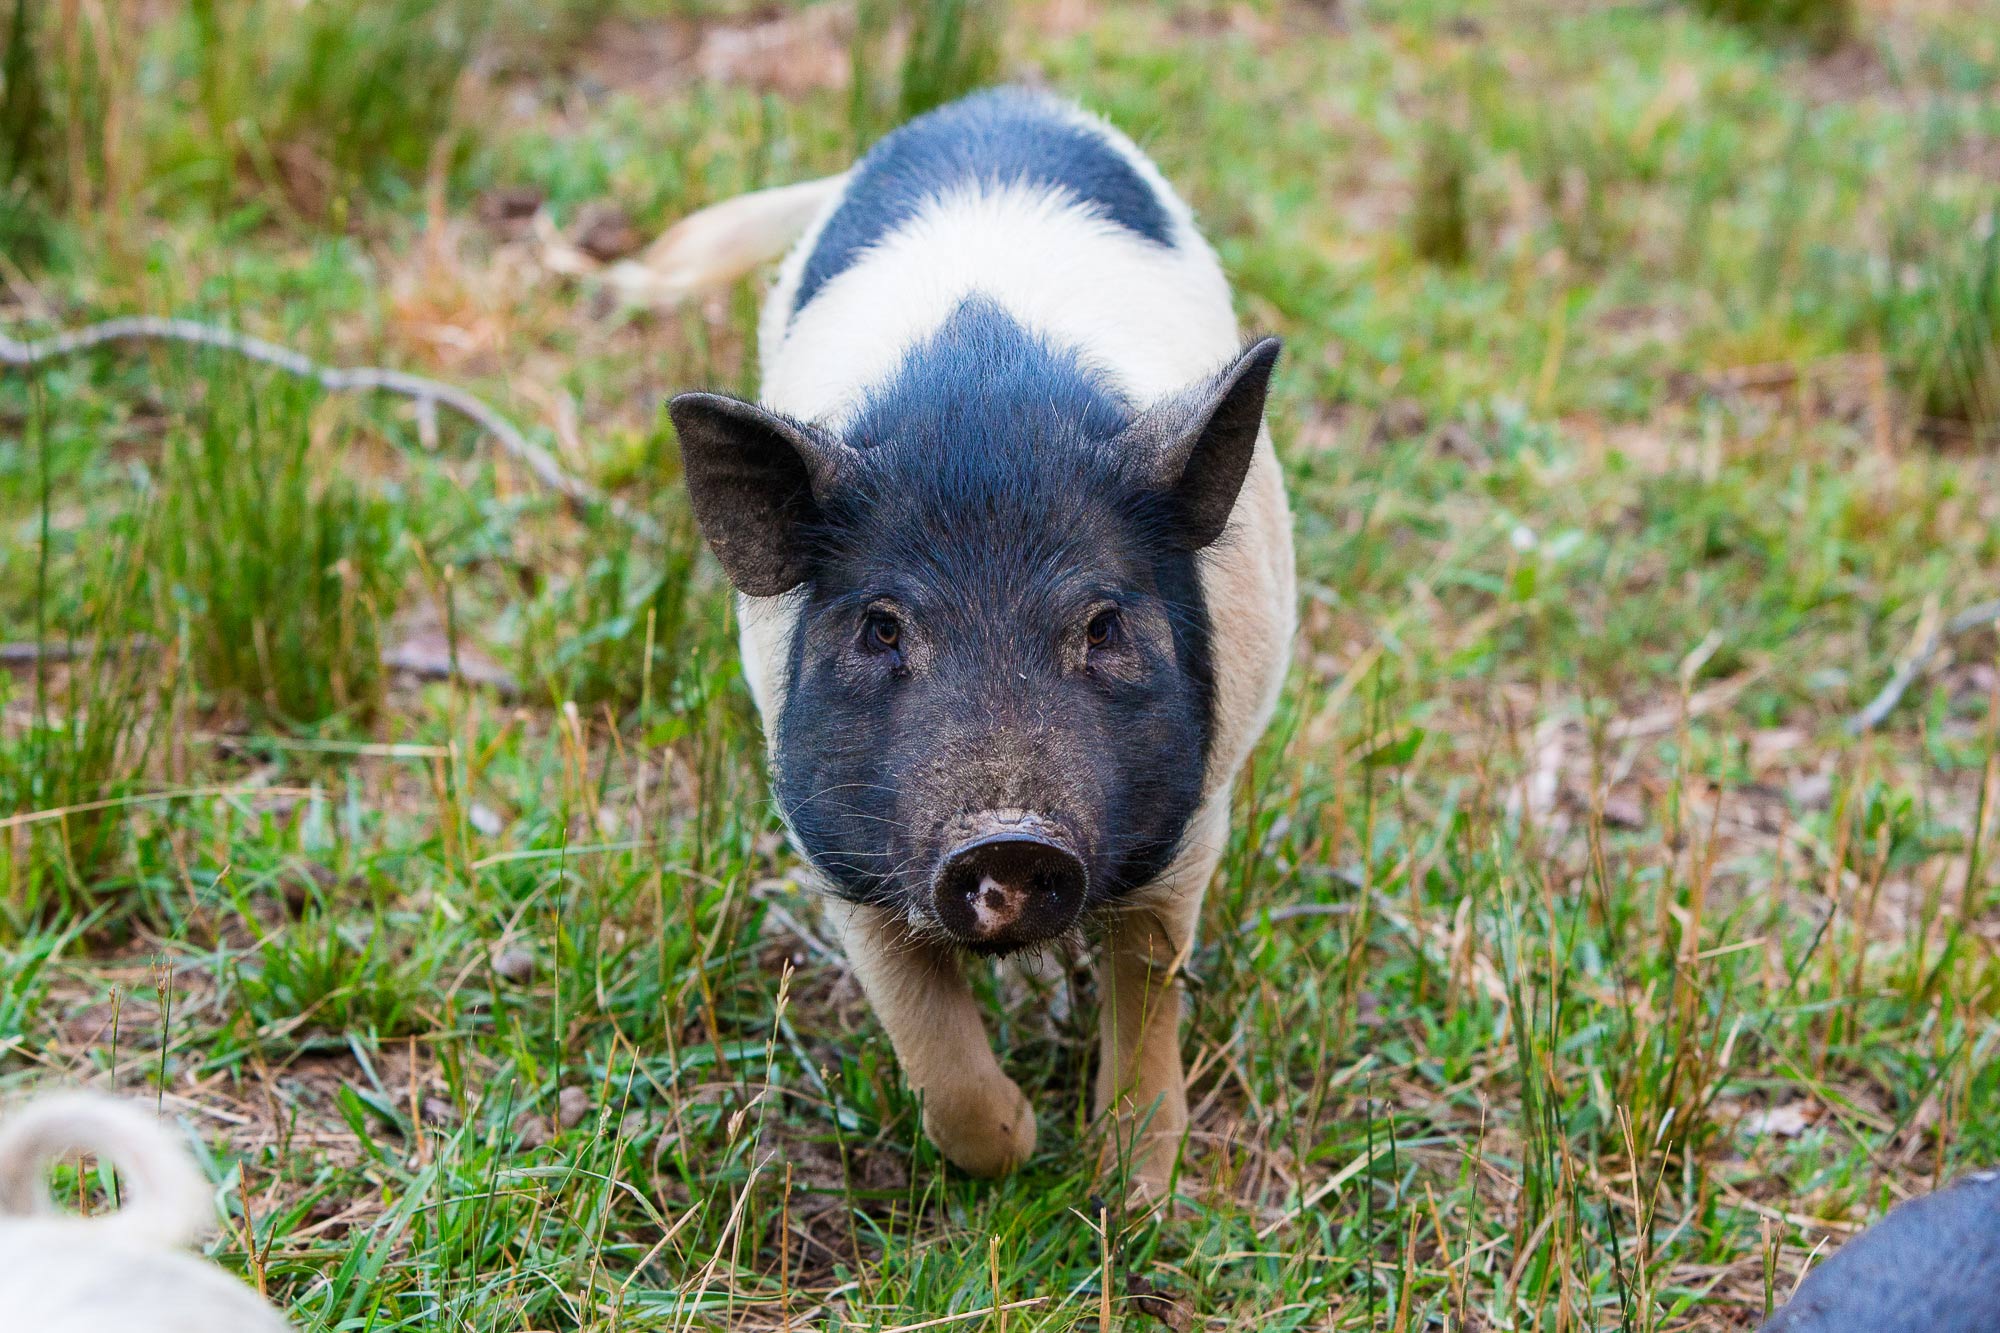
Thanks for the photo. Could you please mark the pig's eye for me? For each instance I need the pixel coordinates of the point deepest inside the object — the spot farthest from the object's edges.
(882, 632)
(1103, 629)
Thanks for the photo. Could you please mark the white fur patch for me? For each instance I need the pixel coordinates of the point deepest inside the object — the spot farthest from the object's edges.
(1151, 318)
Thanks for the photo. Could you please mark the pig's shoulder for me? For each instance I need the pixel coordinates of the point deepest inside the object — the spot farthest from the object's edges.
(1006, 137)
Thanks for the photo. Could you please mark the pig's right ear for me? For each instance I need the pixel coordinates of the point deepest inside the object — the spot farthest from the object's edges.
(1196, 446)
(753, 479)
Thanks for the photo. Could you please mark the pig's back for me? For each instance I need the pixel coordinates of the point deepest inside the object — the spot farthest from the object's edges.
(1016, 197)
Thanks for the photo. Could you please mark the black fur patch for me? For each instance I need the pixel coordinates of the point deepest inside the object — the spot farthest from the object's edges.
(991, 510)
(1004, 136)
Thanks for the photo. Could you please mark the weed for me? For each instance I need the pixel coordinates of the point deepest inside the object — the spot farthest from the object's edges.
(73, 762)
(279, 569)
(325, 106)
(948, 49)
(620, 629)
(1938, 317)
(1440, 222)
(1576, 172)
(331, 976)
(23, 987)
(1819, 25)
(62, 141)
(25, 119)
(370, 94)
(81, 746)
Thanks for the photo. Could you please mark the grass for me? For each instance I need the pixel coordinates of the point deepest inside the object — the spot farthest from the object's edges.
(1942, 317)
(84, 735)
(1440, 230)
(947, 49)
(1570, 968)
(1819, 25)
(280, 570)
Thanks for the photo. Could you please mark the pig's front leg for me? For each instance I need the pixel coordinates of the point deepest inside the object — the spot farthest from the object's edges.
(975, 1114)
(1141, 1091)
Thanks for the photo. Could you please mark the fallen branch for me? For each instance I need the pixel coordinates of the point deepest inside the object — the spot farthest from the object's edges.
(69, 650)
(428, 394)
(1973, 617)
(423, 664)
(427, 665)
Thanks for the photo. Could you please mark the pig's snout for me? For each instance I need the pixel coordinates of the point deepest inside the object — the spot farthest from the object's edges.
(1015, 882)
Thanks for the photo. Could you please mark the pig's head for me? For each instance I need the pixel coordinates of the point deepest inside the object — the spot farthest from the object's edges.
(997, 702)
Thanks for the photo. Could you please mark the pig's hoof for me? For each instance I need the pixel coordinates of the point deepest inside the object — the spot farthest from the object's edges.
(986, 1130)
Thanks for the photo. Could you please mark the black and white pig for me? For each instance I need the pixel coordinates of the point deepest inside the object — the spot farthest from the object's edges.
(1016, 572)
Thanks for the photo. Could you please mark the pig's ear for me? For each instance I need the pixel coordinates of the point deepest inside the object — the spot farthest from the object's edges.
(1197, 444)
(753, 480)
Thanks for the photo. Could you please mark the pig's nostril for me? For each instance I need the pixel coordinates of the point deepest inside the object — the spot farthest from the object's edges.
(1008, 890)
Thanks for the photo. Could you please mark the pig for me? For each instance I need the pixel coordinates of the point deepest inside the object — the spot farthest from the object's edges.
(1931, 1266)
(1016, 580)
(126, 1271)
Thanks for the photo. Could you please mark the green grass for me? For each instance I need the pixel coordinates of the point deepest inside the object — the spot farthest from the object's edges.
(947, 49)
(1819, 25)
(1638, 413)
(279, 570)
(1941, 317)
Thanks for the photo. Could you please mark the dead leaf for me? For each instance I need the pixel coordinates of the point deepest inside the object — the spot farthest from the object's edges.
(509, 208)
(1782, 1122)
(1147, 1299)
(604, 232)
(427, 654)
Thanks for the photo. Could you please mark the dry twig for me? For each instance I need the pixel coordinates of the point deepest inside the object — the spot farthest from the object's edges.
(1912, 666)
(403, 658)
(428, 394)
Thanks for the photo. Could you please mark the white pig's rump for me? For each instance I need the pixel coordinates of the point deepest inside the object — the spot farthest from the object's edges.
(125, 1271)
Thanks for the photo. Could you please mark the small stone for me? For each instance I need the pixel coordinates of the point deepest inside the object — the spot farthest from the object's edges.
(530, 1131)
(1811, 791)
(437, 1111)
(1623, 812)
(605, 233)
(515, 965)
(484, 820)
(509, 203)
(1784, 1122)
(572, 1105)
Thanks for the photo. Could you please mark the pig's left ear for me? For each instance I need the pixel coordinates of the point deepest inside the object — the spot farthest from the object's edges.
(754, 481)
(1198, 444)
